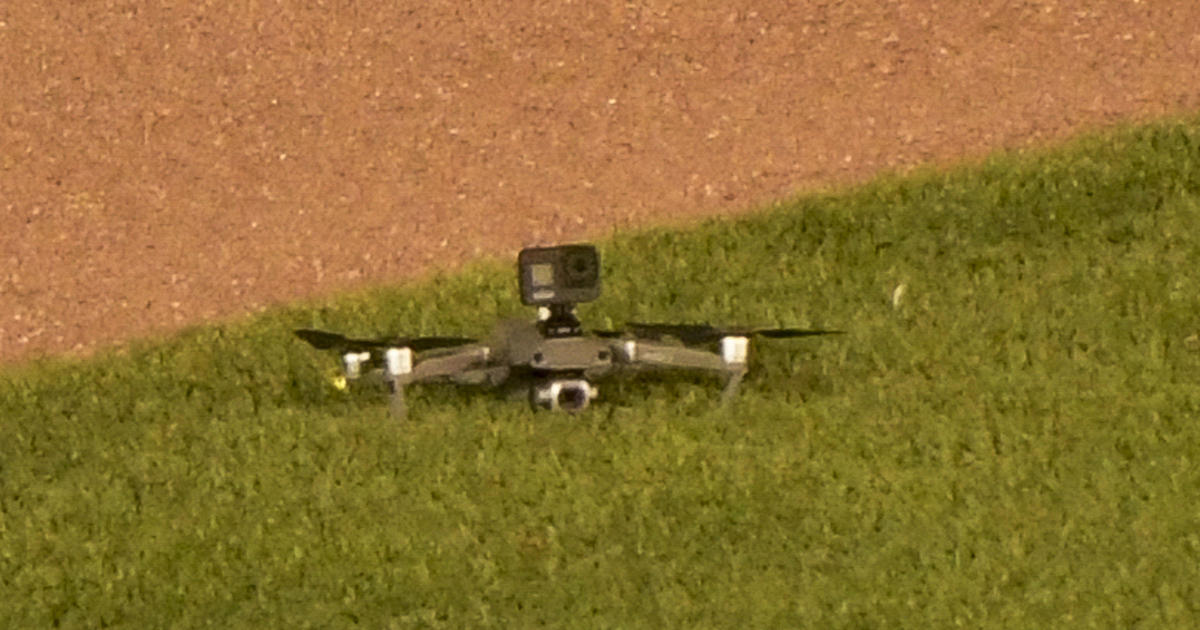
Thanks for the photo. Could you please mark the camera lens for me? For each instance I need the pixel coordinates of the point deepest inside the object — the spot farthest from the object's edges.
(580, 268)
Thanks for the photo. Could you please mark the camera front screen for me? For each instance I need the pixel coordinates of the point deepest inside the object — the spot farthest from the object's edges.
(541, 275)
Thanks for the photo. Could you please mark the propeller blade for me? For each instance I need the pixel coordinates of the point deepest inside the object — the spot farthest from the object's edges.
(785, 333)
(692, 334)
(322, 340)
(687, 333)
(419, 344)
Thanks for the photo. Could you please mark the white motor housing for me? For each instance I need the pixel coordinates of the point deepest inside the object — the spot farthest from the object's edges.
(352, 363)
(734, 350)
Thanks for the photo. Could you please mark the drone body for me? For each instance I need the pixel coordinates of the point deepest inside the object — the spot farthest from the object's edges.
(554, 357)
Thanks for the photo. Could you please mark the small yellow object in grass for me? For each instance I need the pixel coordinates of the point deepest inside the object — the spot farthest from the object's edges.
(338, 380)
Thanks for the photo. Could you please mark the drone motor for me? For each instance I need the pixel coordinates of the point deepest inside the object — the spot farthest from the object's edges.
(352, 363)
(398, 361)
(734, 349)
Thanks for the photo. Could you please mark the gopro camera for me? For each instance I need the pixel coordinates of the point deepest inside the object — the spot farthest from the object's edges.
(567, 274)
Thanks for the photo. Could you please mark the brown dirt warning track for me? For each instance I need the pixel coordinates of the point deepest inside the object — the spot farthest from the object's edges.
(164, 163)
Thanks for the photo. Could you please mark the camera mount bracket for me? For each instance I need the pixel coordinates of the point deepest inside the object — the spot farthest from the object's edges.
(559, 320)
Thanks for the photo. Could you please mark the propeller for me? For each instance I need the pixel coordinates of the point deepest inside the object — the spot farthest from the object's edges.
(322, 340)
(695, 334)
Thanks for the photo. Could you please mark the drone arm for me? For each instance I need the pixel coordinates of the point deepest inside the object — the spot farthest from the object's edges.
(493, 375)
(464, 360)
(730, 362)
(652, 354)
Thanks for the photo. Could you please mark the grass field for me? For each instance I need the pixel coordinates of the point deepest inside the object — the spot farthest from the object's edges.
(1010, 441)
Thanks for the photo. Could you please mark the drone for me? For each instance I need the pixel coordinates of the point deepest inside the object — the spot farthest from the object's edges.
(553, 358)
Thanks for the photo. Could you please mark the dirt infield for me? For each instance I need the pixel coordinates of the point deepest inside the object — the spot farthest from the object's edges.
(162, 165)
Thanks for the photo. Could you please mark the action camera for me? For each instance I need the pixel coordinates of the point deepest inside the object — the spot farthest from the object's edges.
(567, 274)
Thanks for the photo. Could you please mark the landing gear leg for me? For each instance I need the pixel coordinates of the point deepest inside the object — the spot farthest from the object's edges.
(732, 383)
(397, 407)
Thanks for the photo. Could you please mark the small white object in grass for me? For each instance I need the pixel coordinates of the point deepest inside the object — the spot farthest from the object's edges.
(898, 294)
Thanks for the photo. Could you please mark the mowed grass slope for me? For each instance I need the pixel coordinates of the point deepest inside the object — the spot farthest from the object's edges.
(1008, 441)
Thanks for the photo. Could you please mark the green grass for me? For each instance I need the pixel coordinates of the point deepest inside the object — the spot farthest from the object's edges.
(1013, 444)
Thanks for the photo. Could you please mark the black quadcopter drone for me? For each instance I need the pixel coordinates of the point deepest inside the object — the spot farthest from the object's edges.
(554, 357)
